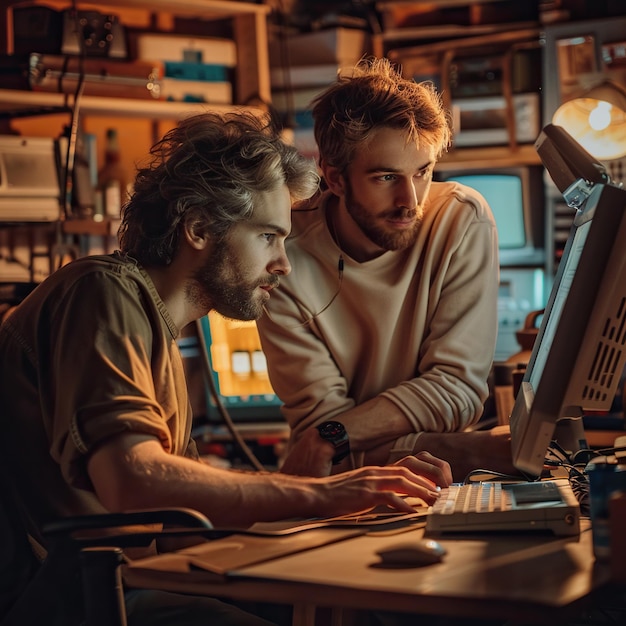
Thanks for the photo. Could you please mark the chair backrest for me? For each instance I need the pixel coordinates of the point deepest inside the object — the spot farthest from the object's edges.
(34, 592)
(17, 560)
(18, 564)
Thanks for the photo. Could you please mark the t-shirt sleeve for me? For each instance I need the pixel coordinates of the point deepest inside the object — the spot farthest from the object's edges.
(106, 365)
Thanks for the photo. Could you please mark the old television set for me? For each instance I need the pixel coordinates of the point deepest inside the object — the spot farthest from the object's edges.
(580, 351)
(238, 369)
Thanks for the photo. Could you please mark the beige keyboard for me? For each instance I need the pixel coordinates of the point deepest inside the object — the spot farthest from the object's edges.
(487, 506)
(478, 497)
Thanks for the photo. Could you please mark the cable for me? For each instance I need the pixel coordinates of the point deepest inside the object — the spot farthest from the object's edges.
(493, 476)
(208, 375)
(312, 318)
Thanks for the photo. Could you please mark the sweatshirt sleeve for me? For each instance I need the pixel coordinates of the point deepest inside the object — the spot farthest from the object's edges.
(450, 389)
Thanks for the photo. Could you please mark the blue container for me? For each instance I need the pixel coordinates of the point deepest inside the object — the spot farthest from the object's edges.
(606, 477)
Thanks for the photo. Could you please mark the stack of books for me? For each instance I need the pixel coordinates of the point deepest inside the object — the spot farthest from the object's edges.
(195, 69)
(302, 66)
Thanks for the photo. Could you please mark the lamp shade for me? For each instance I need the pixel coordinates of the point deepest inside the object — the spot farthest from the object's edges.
(597, 120)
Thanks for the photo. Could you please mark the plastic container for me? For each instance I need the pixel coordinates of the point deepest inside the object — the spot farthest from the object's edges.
(606, 477)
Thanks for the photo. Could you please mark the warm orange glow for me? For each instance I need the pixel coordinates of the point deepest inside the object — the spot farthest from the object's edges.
(597, 120)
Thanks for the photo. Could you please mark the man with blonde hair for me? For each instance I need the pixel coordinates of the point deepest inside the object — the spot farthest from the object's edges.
(389, 316)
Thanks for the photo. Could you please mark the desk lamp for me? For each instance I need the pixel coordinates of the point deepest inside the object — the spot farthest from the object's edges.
(597, 120)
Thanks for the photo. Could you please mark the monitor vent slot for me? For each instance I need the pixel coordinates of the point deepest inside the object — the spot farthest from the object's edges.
(608, 358)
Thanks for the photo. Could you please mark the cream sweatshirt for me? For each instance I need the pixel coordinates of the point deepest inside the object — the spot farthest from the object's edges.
(418, 325)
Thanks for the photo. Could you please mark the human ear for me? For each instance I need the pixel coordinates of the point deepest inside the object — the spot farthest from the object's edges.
(196, 234)
(334, 179)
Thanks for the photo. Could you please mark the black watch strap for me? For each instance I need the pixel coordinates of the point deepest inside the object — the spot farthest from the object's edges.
(335, 433)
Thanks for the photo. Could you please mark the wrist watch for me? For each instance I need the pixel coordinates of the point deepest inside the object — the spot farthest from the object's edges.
(335, 433)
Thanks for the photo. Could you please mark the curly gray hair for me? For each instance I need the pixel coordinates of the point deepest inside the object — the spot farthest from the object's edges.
(210, 168)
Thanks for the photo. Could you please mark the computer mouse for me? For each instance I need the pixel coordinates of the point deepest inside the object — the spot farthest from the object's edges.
(412, 553)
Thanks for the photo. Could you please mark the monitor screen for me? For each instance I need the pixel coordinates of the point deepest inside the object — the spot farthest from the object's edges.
(515, 195)
(580, 350)
(239, 371)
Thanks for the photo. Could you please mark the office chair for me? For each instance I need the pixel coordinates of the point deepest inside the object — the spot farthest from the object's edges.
(79, 583)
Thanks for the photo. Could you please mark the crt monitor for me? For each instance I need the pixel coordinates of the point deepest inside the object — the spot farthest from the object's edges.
(515, 195)
(238, 369)
(580, 350)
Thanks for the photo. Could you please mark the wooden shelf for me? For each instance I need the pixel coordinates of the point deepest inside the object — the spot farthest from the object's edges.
(603, 438)
(15, 102)
(452, 31)
(470, 39)
(103, 228)
(202, 9)
(490, 156)
(442, 4)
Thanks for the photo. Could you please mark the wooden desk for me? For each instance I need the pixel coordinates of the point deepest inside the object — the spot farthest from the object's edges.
(603, 438)
(526, 578)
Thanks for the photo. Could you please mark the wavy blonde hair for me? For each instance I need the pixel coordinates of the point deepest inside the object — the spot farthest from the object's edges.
(375, 95)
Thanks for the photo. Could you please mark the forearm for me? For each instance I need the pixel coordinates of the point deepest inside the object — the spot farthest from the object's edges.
(134, 472)
(372, 428)
(375, 423)
(150, 478)
(468, 451)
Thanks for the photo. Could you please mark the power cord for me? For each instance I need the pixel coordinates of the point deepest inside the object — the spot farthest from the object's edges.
(556, 457)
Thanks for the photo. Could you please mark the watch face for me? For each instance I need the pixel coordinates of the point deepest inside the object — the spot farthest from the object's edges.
(335, 433)
(331, 430)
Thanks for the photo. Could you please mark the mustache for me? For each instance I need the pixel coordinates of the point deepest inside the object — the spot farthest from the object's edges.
(272, 280)
(402, 214)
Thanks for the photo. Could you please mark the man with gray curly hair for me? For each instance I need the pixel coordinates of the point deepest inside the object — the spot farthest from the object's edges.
(96, 415)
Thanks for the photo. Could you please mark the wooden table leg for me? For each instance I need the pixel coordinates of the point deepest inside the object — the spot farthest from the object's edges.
(303, 615)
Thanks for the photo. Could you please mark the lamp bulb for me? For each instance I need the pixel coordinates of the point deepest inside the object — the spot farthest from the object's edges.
(600, 117)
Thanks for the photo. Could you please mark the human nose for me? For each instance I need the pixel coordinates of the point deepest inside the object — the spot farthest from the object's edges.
(281, 264)
(407, 195)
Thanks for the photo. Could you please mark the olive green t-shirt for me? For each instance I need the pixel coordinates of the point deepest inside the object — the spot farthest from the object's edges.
(89, 354)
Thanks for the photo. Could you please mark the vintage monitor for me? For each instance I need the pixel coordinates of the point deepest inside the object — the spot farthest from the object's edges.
(580, 351)
(239, 371)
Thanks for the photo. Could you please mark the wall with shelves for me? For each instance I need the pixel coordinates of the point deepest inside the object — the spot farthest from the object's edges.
(42, 111)
(425, 37)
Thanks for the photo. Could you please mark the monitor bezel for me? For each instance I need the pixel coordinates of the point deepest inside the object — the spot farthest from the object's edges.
(595, 287)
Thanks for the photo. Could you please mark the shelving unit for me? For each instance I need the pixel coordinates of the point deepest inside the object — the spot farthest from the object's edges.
(146, 119)
(405, 21)
(483, 157)
(249, 27)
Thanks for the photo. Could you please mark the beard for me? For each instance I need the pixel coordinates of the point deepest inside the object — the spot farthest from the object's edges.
(222, 285)
(385, 239)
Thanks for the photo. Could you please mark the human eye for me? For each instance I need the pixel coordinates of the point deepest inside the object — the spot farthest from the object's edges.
(386, 178)
(269, 237)
(425, 172)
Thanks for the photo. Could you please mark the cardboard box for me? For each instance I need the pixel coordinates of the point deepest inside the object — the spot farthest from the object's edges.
(337, 46)
(166, 47)
(212, 92)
